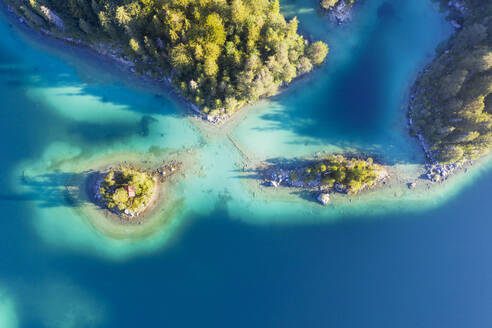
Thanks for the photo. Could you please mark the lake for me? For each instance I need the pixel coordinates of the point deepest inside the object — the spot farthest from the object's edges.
(232, 255)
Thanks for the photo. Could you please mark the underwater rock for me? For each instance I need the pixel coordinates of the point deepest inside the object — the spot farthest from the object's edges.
(323, 198)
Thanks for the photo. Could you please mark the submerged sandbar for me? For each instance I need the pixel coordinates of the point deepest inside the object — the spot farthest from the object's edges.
(161, 204)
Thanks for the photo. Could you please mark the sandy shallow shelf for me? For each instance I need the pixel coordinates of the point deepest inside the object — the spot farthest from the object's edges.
(77, 184)
(396, 194)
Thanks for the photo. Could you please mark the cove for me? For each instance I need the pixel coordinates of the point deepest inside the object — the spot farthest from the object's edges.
(235, 256)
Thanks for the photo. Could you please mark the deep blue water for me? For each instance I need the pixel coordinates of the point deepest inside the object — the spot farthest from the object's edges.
(424, 269)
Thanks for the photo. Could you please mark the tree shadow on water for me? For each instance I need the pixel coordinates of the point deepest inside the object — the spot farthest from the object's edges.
(113, 131)
(57, 189)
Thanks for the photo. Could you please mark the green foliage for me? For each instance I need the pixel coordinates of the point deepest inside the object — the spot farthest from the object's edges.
(451, 107)
(352, 173)
(328, 3)
(234, 51)
(117, 197)
(317, 52)
(134, 45)
(327, 182)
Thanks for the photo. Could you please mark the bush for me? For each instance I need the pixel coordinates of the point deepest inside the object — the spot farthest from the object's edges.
(354, 174)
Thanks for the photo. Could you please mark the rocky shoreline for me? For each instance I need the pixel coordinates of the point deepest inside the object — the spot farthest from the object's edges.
(440, 172)
(436, 171)
(295, 176)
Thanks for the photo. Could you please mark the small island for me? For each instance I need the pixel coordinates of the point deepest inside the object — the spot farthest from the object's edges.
(335, 173)
(128, 191)
(128, 194)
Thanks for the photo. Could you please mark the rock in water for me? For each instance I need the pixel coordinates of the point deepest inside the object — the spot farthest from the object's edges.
(323, 198)
(52, 17)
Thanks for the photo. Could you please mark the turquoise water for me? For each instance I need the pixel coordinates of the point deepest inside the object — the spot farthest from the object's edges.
(235, 254)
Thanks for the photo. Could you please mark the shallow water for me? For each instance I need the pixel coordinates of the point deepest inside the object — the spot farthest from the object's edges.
(234, 254)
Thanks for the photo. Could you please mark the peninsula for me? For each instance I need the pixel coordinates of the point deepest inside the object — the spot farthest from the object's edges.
(219, 55)
(450, 107)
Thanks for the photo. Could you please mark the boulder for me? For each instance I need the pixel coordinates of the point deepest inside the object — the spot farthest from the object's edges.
(323, 198)
(455, 24)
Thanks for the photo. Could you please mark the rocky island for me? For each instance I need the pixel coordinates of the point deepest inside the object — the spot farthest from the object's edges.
(335, 173)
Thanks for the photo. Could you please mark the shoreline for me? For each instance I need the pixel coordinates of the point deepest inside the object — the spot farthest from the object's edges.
(436, 171)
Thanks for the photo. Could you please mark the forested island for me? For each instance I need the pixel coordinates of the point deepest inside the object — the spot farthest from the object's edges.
(126, 190)
(335, 173)
(129, 191)
(450, 108)
(219, 54)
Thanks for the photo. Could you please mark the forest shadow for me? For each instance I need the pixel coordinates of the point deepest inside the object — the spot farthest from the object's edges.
(98, 133)
(57, 189)
(18, 77)
(83, 68)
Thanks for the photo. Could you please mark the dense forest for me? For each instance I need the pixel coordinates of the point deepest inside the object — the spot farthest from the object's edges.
(451, 105)
(220, 54)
